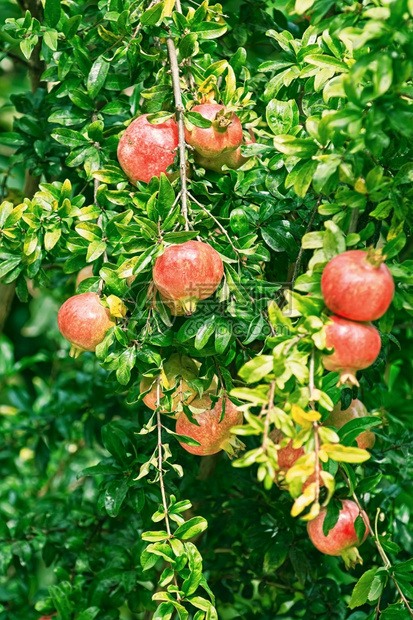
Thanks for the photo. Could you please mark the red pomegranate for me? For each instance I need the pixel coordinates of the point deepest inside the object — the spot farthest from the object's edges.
(356, 346)
(339, 417)
(357, 285)
(178, 370)
(287, 457)
(86, 272)
(188, 272)
(146, 150)
(83, 321)
(213, 435)
(224, 135)
(342, 539)
(232, 159)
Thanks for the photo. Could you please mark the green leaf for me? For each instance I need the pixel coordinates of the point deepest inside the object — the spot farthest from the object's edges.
(191, 583)
(97, 76)
(195, 118)
(191, 528)
(256, 368)
(361, 590)
(282, 115)
(153, 16)
(204, 333)
(300, 147)
(52, 12)
(114, 496)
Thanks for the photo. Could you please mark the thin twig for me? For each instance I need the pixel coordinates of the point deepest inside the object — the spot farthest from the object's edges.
(16, 57)
(300, 253)
(160, 465)
(179, 108)
(267, 417)
(352, 228)
(220, 226)
(386, 562)
(99, 222)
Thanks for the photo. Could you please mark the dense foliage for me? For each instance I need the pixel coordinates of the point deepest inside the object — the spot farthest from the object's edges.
(103, 512)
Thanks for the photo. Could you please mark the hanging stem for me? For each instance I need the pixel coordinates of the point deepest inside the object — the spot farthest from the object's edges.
(315, 429)
(386, 562)
(179, 108)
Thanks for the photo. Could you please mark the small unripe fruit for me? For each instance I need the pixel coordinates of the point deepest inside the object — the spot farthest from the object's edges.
(146, 150)
(212, 433)
(342, 539)
(339, 417)
(224, 135)
(178, 370)
(84, 322)
(188, 272)
(356, 346)
(357, 285)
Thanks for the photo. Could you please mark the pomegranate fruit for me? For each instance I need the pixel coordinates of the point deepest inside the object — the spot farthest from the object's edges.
(188, 272)
(83, 321)
(287, 457)
(146, 150)
(357, 285)
(232, 159)
(86, 272)
(339, 417)
(213, 435)
(356, 346)
(342, 539)
(179, 369)
(224, 135)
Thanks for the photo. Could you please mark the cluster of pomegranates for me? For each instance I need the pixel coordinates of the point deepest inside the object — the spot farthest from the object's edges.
(212, 430)
(358, 288)
(184, 274)
(147, 149)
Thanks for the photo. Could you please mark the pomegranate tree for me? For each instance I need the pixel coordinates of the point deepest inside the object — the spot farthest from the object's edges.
(342, 539)
(357, 285)
(84, 322)
(179, 369)
(212, 433)
(356, 346)
(232, 159)
(188, 272)
(224, 135)
(145, 150)
(357, 409)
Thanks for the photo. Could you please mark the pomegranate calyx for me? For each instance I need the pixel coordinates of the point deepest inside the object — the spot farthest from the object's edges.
(75, 351)
(232, 446)
(189, 305)
(351, 557)
(222, 121)
(375, 257)
(347, 377)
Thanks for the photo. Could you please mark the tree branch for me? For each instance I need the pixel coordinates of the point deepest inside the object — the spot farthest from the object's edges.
(179, 108)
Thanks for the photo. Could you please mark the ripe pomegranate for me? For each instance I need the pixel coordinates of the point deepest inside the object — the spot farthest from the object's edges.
(83, 321)
(338, 418)
(212, 434)
(287, 457)
(224, 135)
(146, 150)
(232, 159)
(178, 370)
(356, 346)
(342, 538)
(357, 285)
(188, 272)
(86, 272)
